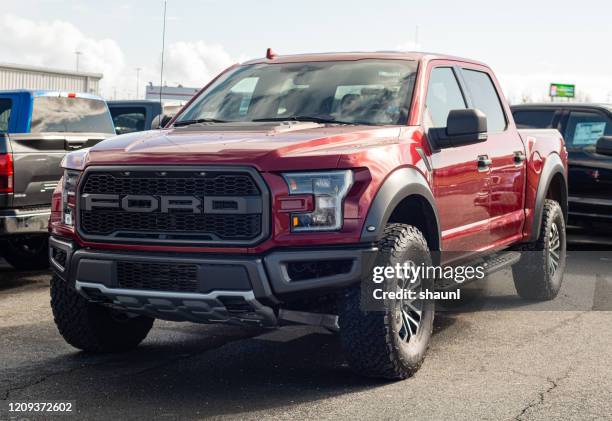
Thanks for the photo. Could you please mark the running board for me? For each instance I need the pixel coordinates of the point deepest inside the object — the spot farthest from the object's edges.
(491, 264)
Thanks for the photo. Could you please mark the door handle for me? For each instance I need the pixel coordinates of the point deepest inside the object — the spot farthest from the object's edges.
(519, 158)
(484, 163)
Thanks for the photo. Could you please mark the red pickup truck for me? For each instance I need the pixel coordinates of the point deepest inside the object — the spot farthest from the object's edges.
(272, 195)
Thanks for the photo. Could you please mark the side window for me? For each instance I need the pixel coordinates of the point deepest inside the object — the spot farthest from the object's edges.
(443, 95)
(485, 98)
(584, 128)
(5, 114)
(534, 119)
(128, 119)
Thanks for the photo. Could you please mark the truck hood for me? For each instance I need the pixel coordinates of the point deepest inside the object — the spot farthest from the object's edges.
(266, 146)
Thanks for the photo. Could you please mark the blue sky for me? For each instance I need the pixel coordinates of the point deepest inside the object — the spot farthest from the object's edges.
(528, 43)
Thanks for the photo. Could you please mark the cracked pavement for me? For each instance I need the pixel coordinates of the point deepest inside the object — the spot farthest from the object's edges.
(501, 360)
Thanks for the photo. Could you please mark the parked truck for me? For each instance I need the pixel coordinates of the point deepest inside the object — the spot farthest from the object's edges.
(275, 192)
(140, 115)
(587, 130)
(37, 128)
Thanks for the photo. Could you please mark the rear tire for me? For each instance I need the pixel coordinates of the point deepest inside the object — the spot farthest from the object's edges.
(539, 274)
(26, 252)
(387, 343)
(92, 327)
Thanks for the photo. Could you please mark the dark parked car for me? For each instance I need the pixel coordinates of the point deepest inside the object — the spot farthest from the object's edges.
(140, 115)
(587, 129)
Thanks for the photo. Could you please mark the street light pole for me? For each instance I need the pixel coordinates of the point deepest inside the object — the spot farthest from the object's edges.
(78, 53)
(138, 69)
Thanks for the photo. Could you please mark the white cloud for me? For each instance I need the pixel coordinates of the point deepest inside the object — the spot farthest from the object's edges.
(194, 63)
(53, 44)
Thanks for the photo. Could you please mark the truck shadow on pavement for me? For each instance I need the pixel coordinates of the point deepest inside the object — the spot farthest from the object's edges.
(200, 371)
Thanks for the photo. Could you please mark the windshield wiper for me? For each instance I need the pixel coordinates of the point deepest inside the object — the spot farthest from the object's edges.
(313, 119)
(196, 121)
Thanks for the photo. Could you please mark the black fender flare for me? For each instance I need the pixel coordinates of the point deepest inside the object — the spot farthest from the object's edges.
(552, 166)
(402, 183)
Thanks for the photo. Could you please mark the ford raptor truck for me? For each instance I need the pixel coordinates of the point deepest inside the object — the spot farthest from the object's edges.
(271, 196)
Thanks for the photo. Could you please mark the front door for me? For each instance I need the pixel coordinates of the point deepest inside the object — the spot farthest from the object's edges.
(461, 190)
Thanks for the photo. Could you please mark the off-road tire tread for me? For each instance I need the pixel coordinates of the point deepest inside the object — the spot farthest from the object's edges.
(369, 335)
(89, 326)
(530, 285)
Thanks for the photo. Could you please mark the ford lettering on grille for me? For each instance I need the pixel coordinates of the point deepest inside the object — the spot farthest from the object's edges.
(167, 204)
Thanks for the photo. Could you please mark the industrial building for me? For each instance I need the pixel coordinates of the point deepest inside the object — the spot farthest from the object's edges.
(17, 76)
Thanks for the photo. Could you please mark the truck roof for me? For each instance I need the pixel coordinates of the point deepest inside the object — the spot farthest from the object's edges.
(49, 92)
(557, 105)
(360, 55)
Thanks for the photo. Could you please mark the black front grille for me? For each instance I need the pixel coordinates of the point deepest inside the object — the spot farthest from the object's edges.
(172, 277)
(174, 183)
(224, 222)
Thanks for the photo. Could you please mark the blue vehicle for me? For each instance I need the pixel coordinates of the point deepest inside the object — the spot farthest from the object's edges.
(37, 128)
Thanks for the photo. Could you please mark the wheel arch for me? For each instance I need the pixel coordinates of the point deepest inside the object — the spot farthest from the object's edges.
(552, 185)
(405, 190)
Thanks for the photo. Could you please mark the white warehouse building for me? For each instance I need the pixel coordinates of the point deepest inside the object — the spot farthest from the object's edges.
(17, 76)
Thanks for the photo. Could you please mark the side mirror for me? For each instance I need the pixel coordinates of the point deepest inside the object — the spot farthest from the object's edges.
(604, 145)
(463, 127)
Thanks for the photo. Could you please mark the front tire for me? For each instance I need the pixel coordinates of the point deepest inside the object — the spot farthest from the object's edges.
(539, 274)
(92, 327)
(389, 344)
(26, 252)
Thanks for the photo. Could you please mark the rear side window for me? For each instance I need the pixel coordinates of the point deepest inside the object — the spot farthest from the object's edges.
(485, 98)
(534, 119)
(5, 114)
(443, 96)
(128, 119)
(584, 129)
(75, 115)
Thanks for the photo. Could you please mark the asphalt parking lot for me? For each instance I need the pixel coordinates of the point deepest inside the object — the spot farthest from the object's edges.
(506, 360)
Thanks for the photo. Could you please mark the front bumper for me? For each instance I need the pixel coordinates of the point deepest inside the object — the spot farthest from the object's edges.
(230, 288)
(20, 221)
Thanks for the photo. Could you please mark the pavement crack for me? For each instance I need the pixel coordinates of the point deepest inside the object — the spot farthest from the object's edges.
(553, 384)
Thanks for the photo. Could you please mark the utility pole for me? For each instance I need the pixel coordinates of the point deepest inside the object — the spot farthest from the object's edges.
(161, 73)
(78, 54)
(138, 69)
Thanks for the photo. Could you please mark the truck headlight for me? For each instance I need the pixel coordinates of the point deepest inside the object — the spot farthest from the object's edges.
(329, 189)
(69, 186)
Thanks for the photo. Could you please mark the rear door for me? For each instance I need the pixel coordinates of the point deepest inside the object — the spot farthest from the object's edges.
(59, 124)
(590, 174)
(505, 153)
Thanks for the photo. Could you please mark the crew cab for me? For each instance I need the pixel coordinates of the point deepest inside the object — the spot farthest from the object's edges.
(587, 129)
(37, 128)
(273, 195)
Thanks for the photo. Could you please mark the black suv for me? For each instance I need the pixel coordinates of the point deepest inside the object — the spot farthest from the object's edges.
(587, 129)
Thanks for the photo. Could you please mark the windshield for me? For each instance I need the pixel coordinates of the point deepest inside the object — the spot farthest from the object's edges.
(354, 92)
(75, 115)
